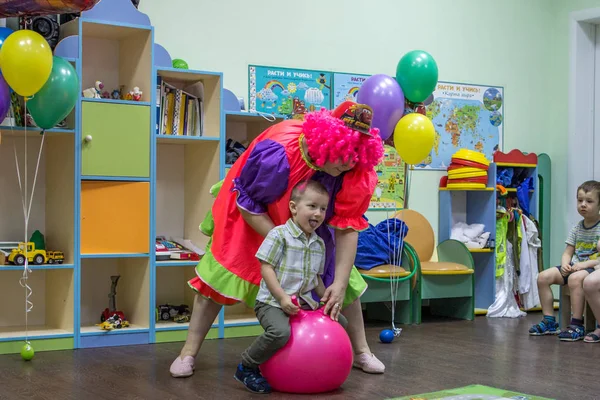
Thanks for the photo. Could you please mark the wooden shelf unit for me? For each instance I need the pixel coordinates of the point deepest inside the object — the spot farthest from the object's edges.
(107, 186)
(479, 206)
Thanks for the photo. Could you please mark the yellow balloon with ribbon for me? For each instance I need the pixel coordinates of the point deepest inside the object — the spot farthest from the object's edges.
(413, 138)
(26, 61)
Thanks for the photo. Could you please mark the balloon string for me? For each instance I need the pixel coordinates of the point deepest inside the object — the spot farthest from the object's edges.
(23, 188)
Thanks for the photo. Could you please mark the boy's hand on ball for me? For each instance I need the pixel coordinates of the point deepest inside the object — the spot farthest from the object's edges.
(288, 307)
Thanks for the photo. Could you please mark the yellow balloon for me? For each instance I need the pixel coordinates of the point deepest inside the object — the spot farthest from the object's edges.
(26, 61)
(413, 138)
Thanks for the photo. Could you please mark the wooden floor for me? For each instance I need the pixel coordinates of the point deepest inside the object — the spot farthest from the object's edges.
(434, 356)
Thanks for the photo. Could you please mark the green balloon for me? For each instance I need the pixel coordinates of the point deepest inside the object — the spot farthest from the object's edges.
(417, 74)
(180, 64)
(56, 99)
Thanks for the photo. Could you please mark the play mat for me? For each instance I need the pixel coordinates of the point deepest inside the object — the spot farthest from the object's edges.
(473, 392)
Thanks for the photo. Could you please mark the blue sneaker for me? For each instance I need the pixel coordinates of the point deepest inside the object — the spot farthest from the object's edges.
(573, 333)
(252, 379)
(545, 327)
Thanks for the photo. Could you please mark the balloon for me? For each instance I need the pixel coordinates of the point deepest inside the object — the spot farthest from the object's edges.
(57, 98)
(26, 61)
(413, 138)
(4, 33)
(417, 74)
(317, 358)
(180, 64)
(4, 98)
(383, 94)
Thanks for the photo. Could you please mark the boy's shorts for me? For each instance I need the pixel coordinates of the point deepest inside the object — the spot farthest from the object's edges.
(566, 278)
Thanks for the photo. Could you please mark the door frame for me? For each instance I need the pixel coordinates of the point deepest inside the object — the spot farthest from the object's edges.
(582, 98)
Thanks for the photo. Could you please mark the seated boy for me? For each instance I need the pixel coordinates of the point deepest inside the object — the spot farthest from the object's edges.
(293, 259)
(578, 261)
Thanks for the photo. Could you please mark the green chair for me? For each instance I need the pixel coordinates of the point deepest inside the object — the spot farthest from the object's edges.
(385, 278)
(448, 284)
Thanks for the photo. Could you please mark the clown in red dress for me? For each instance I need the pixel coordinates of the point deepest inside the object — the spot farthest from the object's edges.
(337, 148)
(261, 181)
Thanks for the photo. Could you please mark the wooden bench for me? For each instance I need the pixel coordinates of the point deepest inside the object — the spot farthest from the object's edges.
(564, 311)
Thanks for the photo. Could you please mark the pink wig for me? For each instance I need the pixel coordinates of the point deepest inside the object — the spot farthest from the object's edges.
(329, 139)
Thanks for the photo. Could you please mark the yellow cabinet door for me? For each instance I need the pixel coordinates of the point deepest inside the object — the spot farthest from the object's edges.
(115, 217)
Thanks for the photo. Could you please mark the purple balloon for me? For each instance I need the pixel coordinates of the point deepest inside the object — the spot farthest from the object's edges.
(4, 98)
(384, 95)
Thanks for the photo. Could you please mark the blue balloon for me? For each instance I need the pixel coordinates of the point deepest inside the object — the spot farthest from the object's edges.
(386, 336)
(4, 33)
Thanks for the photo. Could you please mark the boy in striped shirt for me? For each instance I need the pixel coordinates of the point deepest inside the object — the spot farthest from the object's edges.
(579, 259)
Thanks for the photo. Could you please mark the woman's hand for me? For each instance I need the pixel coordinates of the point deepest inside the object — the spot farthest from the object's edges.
(334, 300)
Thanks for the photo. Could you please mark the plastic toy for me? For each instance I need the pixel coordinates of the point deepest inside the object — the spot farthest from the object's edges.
(112, 311)
(114, 322)
(136, 94)
(314, 336)
(166, 312)
(386, 336)
(95, 92)
(35, 256)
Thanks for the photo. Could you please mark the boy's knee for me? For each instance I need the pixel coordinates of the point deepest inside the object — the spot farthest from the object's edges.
(591, 284)
(281, 335)
(575, 281)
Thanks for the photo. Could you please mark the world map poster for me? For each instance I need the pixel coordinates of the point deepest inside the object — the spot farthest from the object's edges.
(464, 116)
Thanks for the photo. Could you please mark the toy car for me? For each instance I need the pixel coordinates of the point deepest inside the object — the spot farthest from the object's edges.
(166, 312)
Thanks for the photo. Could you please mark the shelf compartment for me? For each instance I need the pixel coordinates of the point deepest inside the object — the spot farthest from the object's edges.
(117, 56)
(172, 288)
(184, 176)
(245, 127)
(52, 315)
(52, 209)
(115, 218)
(239, 315)
(133, 293)
(207, 87)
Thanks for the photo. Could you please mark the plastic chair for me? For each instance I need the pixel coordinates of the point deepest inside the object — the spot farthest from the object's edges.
(448, 284)
(377, 298)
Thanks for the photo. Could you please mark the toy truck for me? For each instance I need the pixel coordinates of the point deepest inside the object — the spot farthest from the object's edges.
(17, 256)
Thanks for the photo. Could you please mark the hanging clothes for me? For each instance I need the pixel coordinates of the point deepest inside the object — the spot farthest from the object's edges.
(501, 231)
(505, 304)
(529, 264)
(381, 244)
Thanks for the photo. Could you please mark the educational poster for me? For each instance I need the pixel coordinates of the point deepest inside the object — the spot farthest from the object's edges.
(464, 116)
(287, 91)
(389, 193)
(346, 87)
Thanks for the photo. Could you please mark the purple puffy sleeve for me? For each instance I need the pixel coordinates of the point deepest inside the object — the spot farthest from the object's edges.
(263, 178)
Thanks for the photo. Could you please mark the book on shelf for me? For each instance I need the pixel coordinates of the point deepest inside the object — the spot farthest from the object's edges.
(180, 112)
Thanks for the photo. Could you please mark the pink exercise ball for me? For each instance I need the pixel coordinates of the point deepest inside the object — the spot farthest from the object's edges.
(317, 358)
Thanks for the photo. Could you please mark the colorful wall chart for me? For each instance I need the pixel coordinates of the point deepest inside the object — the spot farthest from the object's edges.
(346, 87)
(287, 91)
(389, 193)
(464, 116)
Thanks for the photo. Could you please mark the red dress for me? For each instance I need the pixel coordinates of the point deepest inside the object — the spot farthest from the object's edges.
(261, 181)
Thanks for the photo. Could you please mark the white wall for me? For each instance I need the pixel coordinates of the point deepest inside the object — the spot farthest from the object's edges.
(509, 43)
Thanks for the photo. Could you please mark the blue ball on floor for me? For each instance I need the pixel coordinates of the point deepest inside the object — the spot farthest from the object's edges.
(386, 336)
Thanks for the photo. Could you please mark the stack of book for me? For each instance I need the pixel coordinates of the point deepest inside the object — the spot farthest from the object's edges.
(179, 112)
